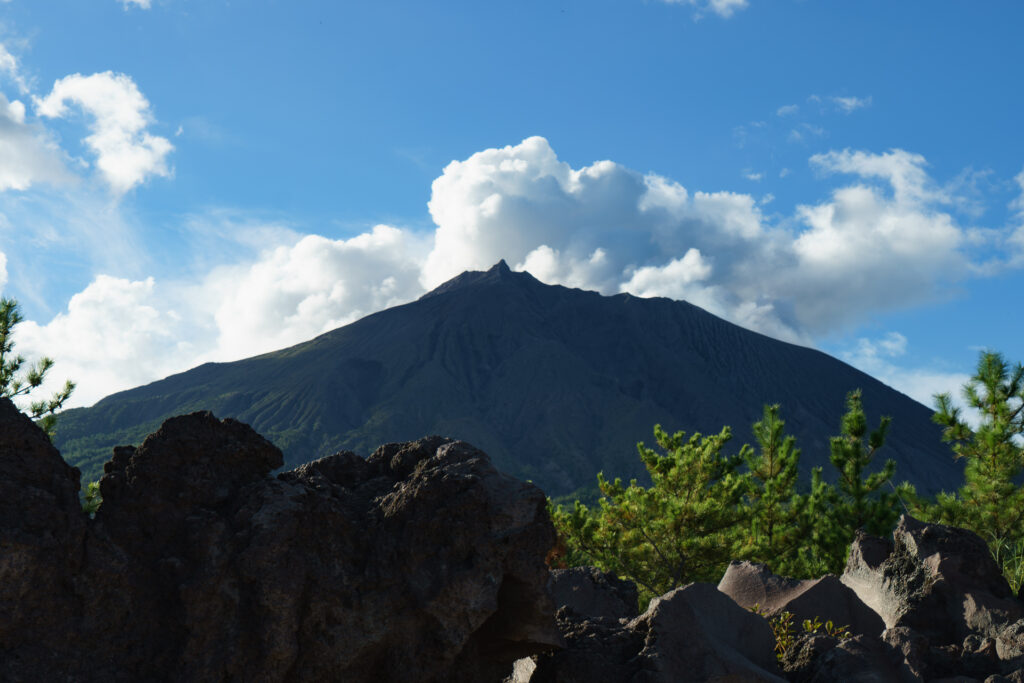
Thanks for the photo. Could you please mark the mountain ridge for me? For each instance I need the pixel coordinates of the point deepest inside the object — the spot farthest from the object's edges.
(555, 383)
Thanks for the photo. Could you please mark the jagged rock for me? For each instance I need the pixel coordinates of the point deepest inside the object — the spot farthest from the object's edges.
(752, 583)
(910, 650)
(856, 660)
(938, 580)
(590, 592)
(799, 659)
(694, 633)
(420, 563)
(42, 530)
(1010, 645)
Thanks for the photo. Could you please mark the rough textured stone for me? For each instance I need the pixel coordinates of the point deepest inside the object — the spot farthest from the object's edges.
(694, 633)
(590, 592)
(856, 660)
(799, 660)
(910, 650)
(938, 580)
(42, 534)
(420, 563)
(751, 583)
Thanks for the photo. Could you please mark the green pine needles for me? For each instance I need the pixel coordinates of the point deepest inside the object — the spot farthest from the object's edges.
(991, 502)
(670, 533)
(706, 507)
(17, 380)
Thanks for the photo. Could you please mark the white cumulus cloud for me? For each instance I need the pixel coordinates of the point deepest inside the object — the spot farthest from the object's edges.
(115, 334)
(295, 292)
(126, 152)
(144, 4)
(878, 242)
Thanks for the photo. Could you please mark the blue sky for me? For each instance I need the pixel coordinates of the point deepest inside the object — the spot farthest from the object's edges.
(194, 180)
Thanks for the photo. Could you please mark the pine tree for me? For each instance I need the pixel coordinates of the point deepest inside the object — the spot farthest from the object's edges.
(17, 382)
(860, 502)
(680, 529)
(778, 525)
(990, 502)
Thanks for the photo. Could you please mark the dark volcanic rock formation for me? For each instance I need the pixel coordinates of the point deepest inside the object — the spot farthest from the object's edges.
(695, 633)
(555, 384)
(590, 592)
(421, 563)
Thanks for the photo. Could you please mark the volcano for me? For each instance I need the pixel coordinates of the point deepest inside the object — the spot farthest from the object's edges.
(555, 384)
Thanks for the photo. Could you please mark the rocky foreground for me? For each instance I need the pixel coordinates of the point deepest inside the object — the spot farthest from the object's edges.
(424, 563)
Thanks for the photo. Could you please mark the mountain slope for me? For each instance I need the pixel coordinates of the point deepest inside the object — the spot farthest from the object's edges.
(554, 383)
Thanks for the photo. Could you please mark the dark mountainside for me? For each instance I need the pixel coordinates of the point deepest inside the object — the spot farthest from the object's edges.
(554, 383)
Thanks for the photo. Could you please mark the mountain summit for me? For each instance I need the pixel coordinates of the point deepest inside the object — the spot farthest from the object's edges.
(554, 383)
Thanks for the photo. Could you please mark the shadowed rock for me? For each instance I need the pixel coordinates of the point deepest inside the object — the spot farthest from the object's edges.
(694, 633)
(42, 532)
(420, 563)
(590, 592)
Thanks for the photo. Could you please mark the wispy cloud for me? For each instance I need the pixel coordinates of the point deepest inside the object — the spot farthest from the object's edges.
(850, 104)
(841, 103)
(884, 359)
(787, 110)
(723, 8)
(11, 69)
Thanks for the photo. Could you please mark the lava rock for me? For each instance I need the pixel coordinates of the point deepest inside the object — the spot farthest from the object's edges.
(419, 563)
(590, 592)
(938, 580)
(693, 633)
(752, 584)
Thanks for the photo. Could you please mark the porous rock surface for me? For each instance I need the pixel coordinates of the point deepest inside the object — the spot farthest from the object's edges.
(949, 614)
(693, 633)
(939, 580)
(753, 585)
(420, 563)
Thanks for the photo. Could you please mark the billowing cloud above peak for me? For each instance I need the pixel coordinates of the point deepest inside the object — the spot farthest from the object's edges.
(878, 244)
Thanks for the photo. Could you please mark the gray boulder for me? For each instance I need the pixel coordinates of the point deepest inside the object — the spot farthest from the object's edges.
(938, 580)
(694, 633)
(590, 592)
(752, 584)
